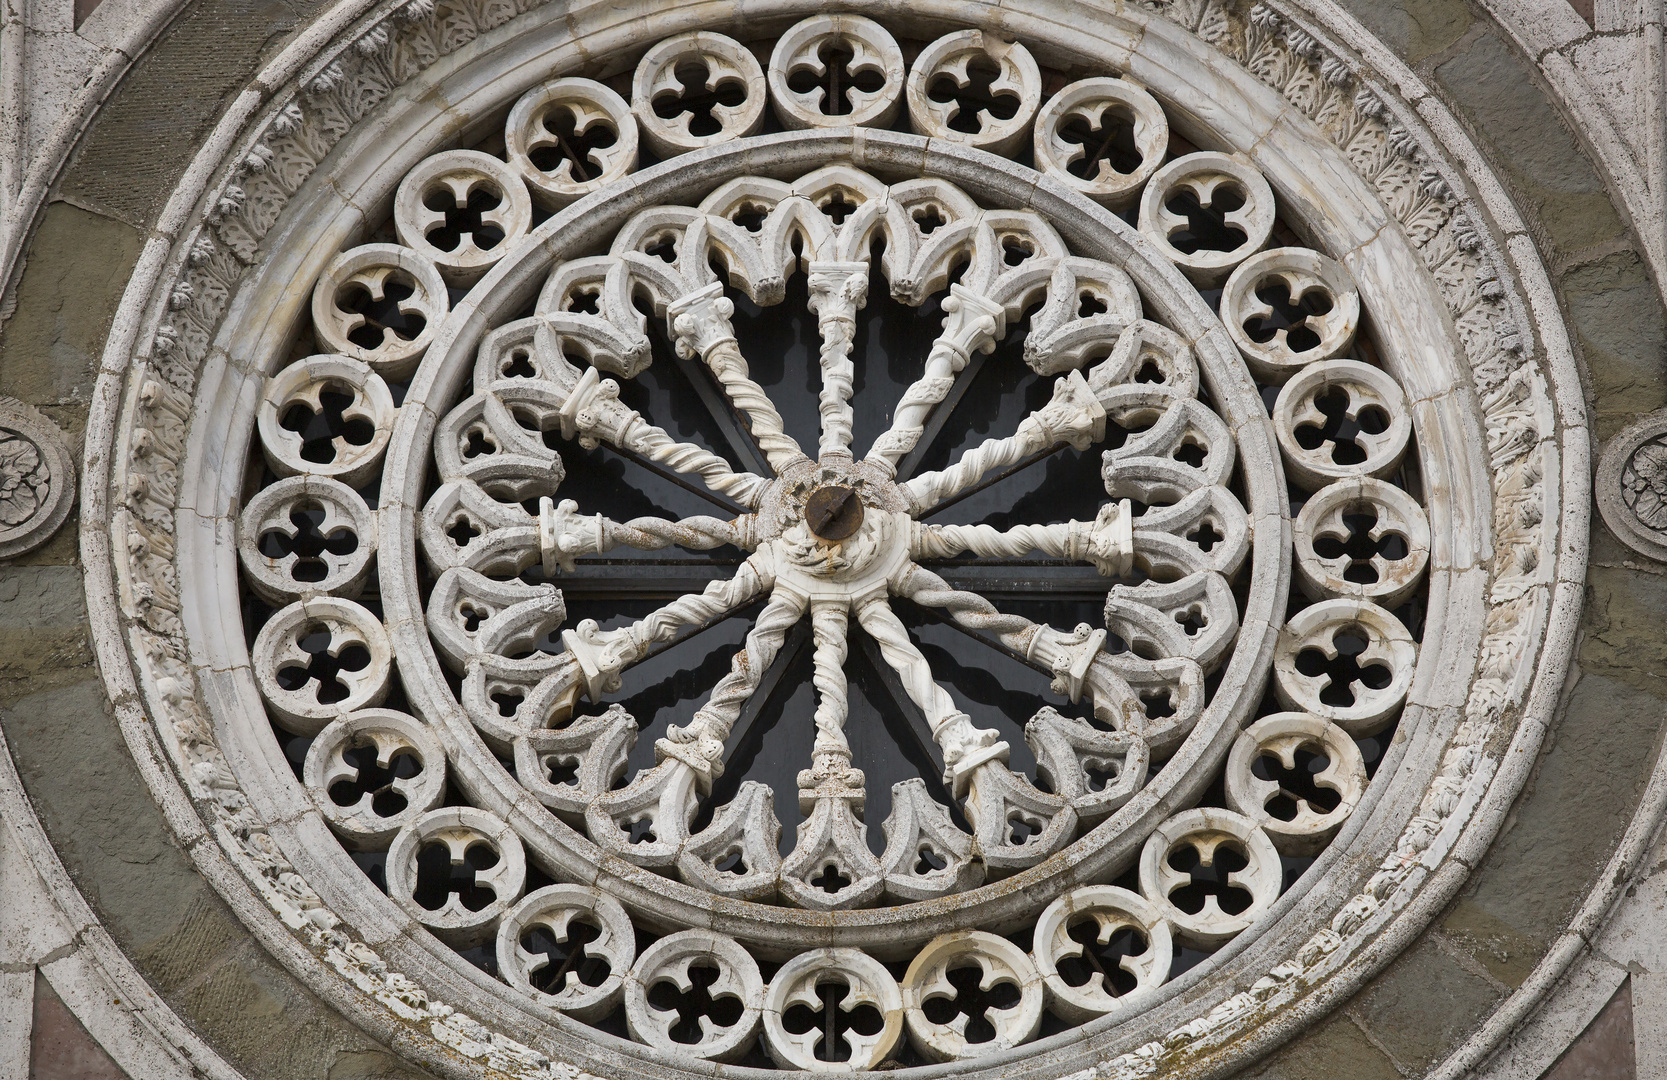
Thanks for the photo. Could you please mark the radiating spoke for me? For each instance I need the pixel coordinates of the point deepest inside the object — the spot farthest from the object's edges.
(564, 534)
(838, 291)
(701, 323)
(971, 324)
(1072, 416)
(963, 746)
(722, 411)
(830, 625)
(596, 657)
(1107, 541)
(593, 414)
(700, 743)
(1073, 660)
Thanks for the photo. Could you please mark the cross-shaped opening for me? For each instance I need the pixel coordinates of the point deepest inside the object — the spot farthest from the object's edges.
(928, 218)
(323, 668)
(309, 543)
(1206, 536)
(834, 1018)
(929, 861)
(723, 1011)
(1340, 429)
(438, 877)
(693, 97)
(1102, 960)
(1108, 138)
(318, 430)
(1359, 547)
(464, 218)
(1211, 880)
(1192, 620)
(1296, 785)
(562, 769)
(577, 148)
(1290, 314)
(1015, 250)
(830, 880)
(1207, 228)
(1089, 305)
(462, 531)
(640, 831)
(973, 1002)
(978, 97)
(837, 78)
(1345, 669)
(561, 956)
(585, 301)
(374, 780)
(383, 315)
(839, 207)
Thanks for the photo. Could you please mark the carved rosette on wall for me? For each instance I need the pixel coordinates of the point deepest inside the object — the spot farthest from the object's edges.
(1631, 486)
(1247, 489)
(37, 478)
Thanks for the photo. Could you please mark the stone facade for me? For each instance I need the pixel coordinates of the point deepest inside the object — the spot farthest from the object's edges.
(1431, 303)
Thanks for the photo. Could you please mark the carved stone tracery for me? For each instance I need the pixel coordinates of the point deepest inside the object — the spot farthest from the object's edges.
(1079, 661)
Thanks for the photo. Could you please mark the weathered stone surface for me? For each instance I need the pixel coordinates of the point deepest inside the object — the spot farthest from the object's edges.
(1507, 953)
(43, 632)
(1496, 90)
(1558, 837)
(147, 134)
(78, 265)
(1622, 333)
(1417, 29)
(1338, 1048)
(1418, 1009)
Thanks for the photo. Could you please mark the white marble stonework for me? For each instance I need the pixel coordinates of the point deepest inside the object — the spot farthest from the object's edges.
(1296, 405)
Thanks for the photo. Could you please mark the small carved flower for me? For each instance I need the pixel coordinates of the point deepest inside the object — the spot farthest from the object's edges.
(1646, 484)
(23, 479)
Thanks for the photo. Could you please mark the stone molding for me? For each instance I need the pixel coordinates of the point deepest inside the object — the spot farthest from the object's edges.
(1497, 349)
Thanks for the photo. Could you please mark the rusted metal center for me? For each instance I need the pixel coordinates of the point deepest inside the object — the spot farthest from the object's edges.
(833, 512)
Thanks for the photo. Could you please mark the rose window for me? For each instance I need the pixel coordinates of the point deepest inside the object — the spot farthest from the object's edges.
(852, 549)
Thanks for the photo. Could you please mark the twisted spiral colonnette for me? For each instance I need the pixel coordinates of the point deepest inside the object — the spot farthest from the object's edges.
(715, 601)
(657, 446)
(838, 383)
(928, 489)
(909, 421)
(888, 632)
(730, 369)
(946, 541)
(715, 718)
(695, 533)
(969, 609)
(829, 624)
